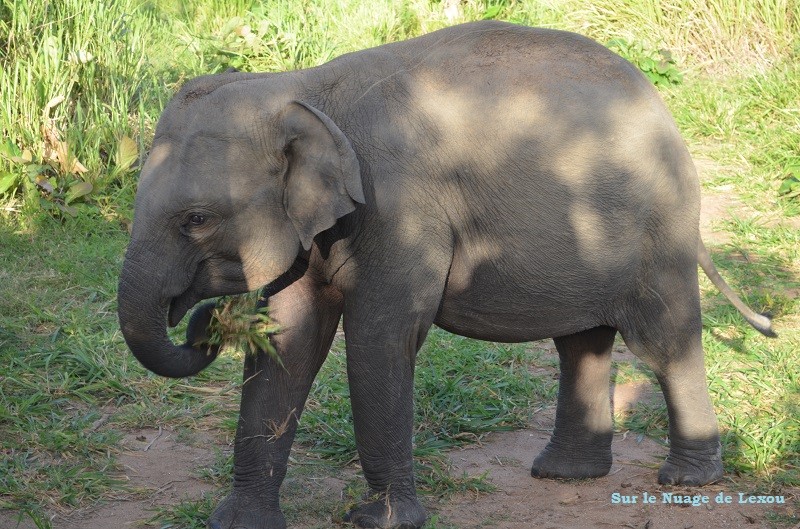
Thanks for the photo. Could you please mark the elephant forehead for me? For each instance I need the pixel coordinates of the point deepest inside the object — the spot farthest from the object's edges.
(200, 158)
(219, 176)
(157, 162)
(156, 182)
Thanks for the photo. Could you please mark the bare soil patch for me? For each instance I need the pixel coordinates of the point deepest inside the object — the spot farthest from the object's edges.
(715, 204)
(159, 470)
(524, 502)
(720, 203)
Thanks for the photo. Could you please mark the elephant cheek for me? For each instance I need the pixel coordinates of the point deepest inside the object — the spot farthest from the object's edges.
(258, 276)
(260, 267)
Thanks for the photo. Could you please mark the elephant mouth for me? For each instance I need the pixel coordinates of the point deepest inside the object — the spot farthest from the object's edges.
(179, 306)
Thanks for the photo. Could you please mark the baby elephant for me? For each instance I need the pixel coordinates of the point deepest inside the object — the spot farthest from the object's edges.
(502, 182)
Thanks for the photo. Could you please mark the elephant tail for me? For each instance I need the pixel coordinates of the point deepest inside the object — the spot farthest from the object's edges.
(760, 322)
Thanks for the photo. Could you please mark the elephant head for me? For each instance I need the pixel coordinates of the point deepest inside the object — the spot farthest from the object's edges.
(241, 177)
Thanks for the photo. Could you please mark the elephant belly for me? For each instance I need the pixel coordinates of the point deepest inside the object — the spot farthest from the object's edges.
(509, 299)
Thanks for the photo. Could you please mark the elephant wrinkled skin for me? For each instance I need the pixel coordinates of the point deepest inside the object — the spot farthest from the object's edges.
(502, 182)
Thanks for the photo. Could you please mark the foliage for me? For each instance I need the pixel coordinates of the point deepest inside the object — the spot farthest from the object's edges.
(82, 81)
(790, 188)
(463, 390)
(752, 123)
(77, 88)
(718, 36)
(238, 322)
(657, 65)
(270, 43)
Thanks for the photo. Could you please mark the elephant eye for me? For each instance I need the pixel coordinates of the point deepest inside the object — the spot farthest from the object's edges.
(196, 220)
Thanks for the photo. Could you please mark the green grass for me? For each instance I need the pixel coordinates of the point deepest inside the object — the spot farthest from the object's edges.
(464, 389)
(68, 387)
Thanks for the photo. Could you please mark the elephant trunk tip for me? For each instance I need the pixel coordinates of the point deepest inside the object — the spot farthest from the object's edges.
(192, 361)
(145, 333)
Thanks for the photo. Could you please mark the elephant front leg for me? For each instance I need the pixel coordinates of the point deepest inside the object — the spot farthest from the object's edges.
(580, 446)
(273, 397)
(380, 366)
(264, 436)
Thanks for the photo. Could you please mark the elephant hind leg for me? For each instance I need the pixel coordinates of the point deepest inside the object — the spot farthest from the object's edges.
(666, 332)
(580, 446)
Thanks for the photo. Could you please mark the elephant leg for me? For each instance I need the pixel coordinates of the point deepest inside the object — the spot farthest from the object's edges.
(695, 452)
(667, 334)
(272, 401)
(380, 368)
(382, 344)
(580, 446)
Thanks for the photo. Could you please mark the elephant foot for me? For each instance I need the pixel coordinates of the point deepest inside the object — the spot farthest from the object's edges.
(388, 513)
(692, 463)
(576, 462)
(241, 511)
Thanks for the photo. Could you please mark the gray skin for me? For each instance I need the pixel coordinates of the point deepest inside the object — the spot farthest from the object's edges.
(502, 182)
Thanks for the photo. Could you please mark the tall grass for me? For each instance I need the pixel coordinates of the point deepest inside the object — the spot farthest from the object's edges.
(76, 71)
(111, 66)
(719, 36)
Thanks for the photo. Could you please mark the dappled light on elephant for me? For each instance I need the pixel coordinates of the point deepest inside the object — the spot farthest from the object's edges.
(502, 182)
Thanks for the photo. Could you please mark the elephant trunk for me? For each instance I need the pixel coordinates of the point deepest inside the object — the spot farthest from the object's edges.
(143, 310)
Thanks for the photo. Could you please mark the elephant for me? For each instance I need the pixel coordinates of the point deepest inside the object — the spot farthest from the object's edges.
(502, 182)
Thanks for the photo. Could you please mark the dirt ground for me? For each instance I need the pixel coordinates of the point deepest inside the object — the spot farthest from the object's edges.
(522, 502)
(162, 470)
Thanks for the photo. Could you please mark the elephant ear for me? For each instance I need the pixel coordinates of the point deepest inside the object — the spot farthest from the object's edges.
(323, 179)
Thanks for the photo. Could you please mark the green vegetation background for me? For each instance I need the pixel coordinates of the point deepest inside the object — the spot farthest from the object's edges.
(81, 88)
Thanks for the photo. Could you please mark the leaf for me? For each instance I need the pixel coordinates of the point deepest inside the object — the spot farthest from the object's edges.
(33, 170)
(127, 153)
(46, 204)
(78, 190)
(7, 181)
(654, 77)
(231, 25)
(77, 167)
(69, 210)
(620, 44)
(57, 151)
(50, 47)
(9, 149)
(243, 31)
(790, 187)
(25, 157)
(647, 65)
(11, 152)
(43, 182)
(492, 12)
(81, 56)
